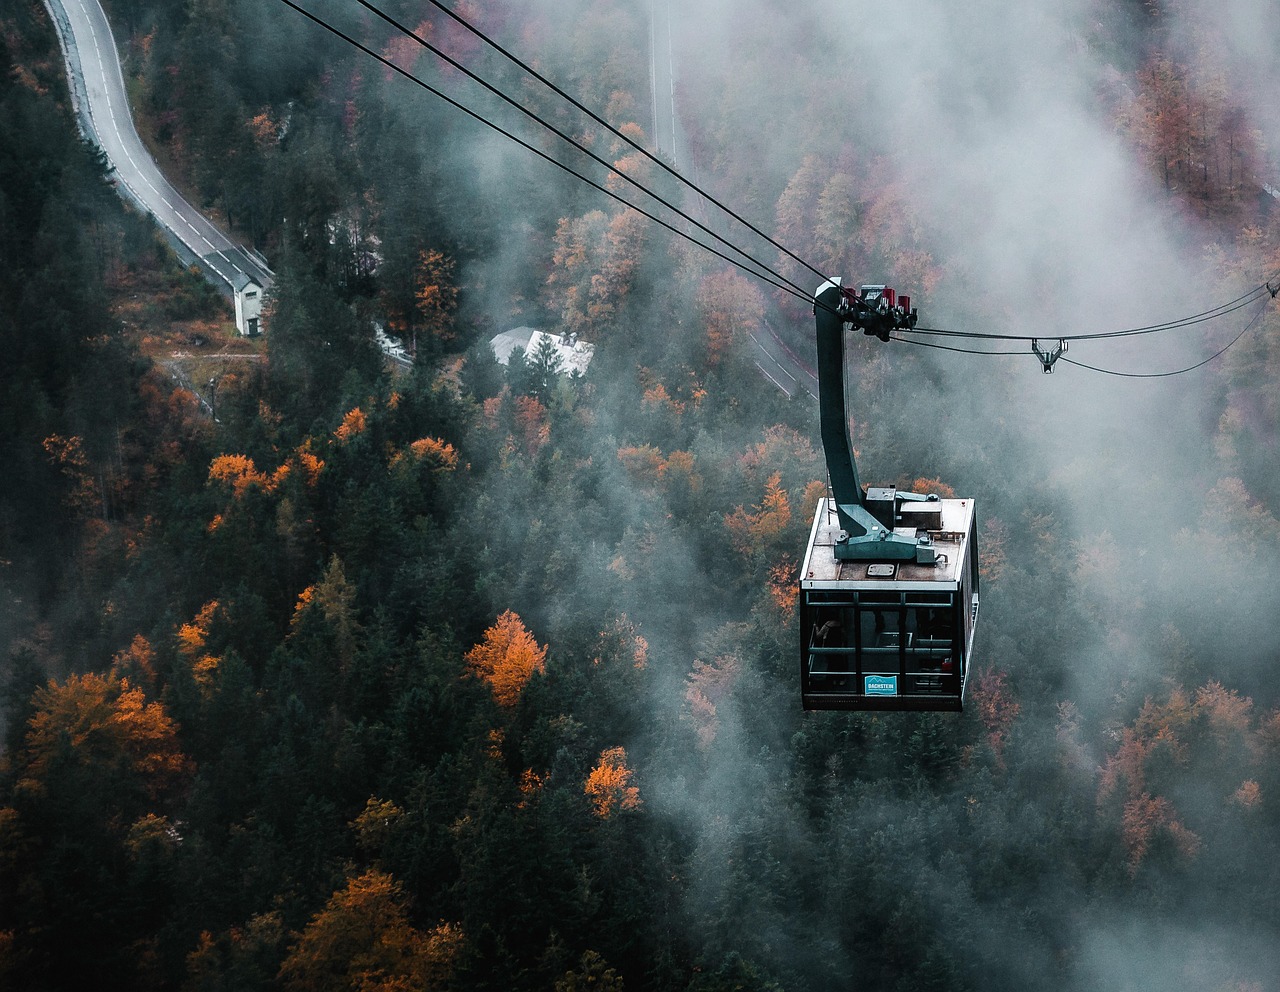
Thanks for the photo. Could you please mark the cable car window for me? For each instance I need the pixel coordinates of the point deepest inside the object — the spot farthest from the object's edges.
(931, 642)
(880, 638)
(832, 651)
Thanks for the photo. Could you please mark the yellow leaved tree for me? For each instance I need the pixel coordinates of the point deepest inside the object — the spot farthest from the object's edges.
(363, 939)
(609, 784)
(507, 658)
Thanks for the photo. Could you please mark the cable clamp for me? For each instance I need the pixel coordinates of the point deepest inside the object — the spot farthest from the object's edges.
(1048, 356)
(1273, 291)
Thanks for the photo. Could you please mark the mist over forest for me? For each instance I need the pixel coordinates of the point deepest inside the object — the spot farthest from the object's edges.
(465, 675)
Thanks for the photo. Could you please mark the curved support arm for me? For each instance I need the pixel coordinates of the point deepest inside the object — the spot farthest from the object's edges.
(865, 537)
(828, 310)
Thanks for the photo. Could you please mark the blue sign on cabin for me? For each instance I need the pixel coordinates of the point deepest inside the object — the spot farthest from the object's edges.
(880, 685)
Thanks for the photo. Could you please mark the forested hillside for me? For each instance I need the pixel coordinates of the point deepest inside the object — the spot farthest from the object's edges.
(479, 677)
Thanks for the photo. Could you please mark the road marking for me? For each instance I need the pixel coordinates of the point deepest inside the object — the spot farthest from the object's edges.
(782, 368)
(123, 137)
(773, 380)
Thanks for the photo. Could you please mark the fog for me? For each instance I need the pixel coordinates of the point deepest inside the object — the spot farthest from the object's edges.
(999, 122)
(1017, 205)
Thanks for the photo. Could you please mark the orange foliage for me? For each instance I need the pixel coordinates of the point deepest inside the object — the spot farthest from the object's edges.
(782, 588)
(619, 567)
(594, 263)
(1156, 728)
(1161, 740)
(300, 607)
(191, 642)
(626, 239)
(107, 723)
(435, 294)
(531, 784)
(531, 418)
(640, 652)
(1196, 141)
(497, 740)
(493, 407)
(1269, 733)
(507, 658)
(352, 424)
(991, 553)
(931, 487)
(680, 465)
(310, 464)
(997, 708)
(364, 939)
(749, 531)
(69, 455)
(137, 660)
(1248, 795)
(1227, 711)
(622, 639)
(265, 131)
(635, 166)
(608, 786)
(403, 52)
(376, 823)
(438, 452)
(1143, 816)
(643, 464)
(656, 397)
(813, 492)
(706, 685)
(782, 449)
(729, 305)
(239, 472)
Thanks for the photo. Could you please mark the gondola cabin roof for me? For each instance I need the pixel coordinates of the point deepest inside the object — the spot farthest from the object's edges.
(948, 523)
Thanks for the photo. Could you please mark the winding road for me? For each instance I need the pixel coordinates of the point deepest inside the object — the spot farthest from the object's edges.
(776, 361)
(98, 93)
(102, 108)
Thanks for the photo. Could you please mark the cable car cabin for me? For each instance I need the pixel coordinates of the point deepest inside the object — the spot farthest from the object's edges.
(890, 634)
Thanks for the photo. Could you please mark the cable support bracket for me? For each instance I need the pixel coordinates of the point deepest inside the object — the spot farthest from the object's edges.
(1048, 356)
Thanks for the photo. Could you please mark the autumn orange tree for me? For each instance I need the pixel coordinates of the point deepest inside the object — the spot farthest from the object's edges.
(363, 939)
(326, 618)
(88, 836)
(1195, 138)
(770, 530)
(595, 264)
(609, 785)
(1211, 735)
(436, 296)
(105, 729)
(506, 658)
(706, 685)
(730, 306)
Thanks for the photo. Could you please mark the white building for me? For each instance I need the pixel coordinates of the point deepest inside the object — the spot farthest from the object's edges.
(247, 292)
(575, 355)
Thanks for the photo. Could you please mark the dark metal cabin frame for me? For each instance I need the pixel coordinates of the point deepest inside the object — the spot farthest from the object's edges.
(888, 635)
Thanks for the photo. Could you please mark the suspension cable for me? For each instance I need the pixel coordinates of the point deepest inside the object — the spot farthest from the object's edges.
(769, 275)
(1212, 314)
(618, 134)
(1190, 368)
(964, 351)
(439, 53)
(337, 32)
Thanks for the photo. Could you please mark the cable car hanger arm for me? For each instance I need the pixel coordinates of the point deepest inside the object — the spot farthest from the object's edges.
(866, 535)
